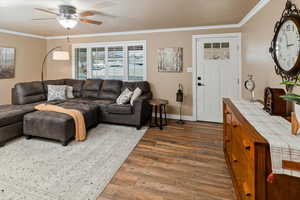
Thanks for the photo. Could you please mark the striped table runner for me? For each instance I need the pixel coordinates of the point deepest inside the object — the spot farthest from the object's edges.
(277, 131)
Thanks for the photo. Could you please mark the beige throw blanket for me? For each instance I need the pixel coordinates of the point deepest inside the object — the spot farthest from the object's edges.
(77, 116)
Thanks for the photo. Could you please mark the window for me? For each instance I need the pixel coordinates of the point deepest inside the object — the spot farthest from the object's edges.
(118, 60)
(217, 51)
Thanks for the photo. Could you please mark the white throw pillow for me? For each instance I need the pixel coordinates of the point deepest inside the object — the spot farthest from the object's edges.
(136, 93)
(56, 92)
(69, 92)
(124, 97)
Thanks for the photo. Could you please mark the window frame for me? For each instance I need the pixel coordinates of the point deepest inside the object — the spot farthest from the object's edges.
(106, 45)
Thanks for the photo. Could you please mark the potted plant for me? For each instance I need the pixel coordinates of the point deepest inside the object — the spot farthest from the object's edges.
(292, 97)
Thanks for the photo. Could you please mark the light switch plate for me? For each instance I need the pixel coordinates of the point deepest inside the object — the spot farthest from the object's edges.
(189, 69)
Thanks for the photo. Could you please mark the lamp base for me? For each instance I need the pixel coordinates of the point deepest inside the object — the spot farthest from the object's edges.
(180, 122)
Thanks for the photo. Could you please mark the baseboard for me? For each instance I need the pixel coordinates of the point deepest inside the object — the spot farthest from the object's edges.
(183, 117)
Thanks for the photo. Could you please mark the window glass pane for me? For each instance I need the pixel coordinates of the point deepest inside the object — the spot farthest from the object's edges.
(81, 63)
(136, 63)
(115, 63)
(98, 63)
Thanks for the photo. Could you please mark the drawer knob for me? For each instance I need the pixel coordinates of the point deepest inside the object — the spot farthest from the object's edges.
(234, 159)
(247, 190)
(246, 145)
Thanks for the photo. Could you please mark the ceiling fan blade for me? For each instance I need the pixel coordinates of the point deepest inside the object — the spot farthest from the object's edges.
(47, 11)
(44, 19)
(86, 13)
(88, 21)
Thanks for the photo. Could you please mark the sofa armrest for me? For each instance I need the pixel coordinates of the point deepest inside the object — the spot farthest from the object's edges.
(142, 108)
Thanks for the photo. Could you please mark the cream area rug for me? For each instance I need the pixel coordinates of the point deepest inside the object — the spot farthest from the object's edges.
(44, 170)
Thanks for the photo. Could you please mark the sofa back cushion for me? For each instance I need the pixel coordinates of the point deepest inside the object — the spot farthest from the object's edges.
(30, 92)
(91, 88)
(77, 86)
(143, 85)
(110, 90)
(53, 82)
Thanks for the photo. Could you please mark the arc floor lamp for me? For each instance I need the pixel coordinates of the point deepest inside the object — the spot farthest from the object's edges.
(57, 54)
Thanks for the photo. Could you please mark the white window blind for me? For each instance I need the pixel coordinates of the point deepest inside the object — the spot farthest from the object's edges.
(118, 60)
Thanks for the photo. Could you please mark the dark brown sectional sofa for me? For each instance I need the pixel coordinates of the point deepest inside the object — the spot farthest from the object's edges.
(95, 98)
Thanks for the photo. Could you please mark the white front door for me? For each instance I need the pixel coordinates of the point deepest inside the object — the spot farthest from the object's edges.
(218, 74)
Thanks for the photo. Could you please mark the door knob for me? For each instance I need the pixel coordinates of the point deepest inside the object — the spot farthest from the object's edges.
(200, 84)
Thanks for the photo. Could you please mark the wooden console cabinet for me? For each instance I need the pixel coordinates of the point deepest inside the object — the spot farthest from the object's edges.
(248, 159)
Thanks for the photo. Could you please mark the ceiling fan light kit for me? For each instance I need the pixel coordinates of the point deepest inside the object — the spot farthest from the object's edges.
(67, 23)
(68, 17)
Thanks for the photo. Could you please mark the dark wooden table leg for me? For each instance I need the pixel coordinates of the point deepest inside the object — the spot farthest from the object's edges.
(156, 123)
(160, 117)
(166, 121)
(150, 123)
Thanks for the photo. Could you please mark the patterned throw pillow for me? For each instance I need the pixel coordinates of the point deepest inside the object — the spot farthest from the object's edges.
(56, 92)
(124, 97)
(136, 93)
(69, 92)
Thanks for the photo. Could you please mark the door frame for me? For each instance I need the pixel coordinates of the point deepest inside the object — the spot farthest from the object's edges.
(194, 71)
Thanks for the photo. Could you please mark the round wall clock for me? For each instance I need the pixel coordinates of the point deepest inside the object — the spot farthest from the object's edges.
(285, 46)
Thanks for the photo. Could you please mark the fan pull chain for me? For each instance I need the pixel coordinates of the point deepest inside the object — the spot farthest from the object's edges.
(68, 35)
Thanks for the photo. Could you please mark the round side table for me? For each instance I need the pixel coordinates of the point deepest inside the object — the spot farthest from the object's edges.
(158, 104)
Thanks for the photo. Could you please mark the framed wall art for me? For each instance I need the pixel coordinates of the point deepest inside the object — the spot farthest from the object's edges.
(7, 62)
(170, 59)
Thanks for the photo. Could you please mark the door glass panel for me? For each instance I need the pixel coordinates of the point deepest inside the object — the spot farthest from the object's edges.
(136, 63)
(115, 63)
(81, 63)
(216, 51)
(98, 70)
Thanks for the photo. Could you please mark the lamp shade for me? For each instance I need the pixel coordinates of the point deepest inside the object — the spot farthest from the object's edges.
(60, 55)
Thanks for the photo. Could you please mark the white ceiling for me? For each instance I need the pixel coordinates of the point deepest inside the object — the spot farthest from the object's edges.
(129, 15)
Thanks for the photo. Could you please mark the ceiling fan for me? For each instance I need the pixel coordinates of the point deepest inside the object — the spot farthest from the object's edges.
(68, 16)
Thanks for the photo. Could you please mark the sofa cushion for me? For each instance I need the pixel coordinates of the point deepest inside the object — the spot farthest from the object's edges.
(110, 90)
(56, 92)
(124, 97)
(11, 114)
(91, 88)
(77, 86)
(119, 109)
(103, 102)
(29, 92)
(143, 85)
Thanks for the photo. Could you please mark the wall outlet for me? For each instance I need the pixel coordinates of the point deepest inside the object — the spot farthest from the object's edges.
(189, 69)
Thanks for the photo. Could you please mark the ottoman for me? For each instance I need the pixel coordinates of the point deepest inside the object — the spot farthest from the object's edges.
(58, 126)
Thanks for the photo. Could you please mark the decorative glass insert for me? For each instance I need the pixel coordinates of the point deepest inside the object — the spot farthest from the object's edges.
(217, 51)
(136, 63)
(81, 63)
(98, 68)
(115, 63)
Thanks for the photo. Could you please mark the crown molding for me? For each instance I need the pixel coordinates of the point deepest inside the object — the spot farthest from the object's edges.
(22, 34)
(260, 5)
(195, 28)
(254, 11)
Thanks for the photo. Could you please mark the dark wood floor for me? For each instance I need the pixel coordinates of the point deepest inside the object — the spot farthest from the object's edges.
(174, 164)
